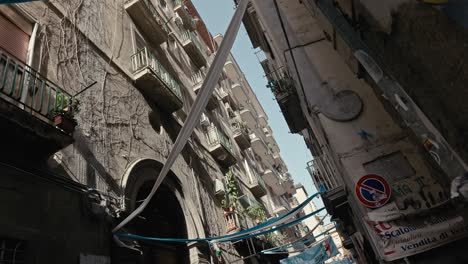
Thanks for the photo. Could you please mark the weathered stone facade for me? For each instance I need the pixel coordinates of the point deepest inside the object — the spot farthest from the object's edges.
(121, 142)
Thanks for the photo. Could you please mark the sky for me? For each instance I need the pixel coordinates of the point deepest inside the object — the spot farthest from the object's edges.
(217, 14)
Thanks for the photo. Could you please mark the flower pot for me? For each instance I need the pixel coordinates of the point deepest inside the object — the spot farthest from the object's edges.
(229, 210)
(65, 123)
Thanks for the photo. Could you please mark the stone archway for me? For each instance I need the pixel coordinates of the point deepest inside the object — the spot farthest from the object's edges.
(163, 217)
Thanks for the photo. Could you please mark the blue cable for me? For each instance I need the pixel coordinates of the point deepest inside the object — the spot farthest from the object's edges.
(276, 228)
(249, 230)
(300, 242)
(182, 240)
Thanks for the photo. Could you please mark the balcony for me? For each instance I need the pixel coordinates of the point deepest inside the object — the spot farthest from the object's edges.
(241, 134)
(147, 19)
(248, 116)
(180, 9)
(323, 174)
(270, 177)
(230, 69)
(220, 146)
(288, 183)
(233, 224)
(263, 120)
(280, 210)
(261, 149)
(239, 93)
(28, 102)
(194, 48)
(155, 82)
(256, 184)
(197, 80)
(254, 29)
(285, 92)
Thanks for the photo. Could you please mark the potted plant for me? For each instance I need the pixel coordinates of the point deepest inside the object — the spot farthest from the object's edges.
(256, 213)
(232, 193)
(280, 86)
(230, 201)
(64, 112)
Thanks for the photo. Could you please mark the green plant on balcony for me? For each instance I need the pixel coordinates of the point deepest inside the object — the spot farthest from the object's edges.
(232, 193)
(281, 86)
(244, 128)
(257, 213)
(64, 112)
(275, 239)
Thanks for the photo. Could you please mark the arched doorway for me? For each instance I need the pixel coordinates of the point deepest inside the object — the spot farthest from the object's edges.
(162, 217)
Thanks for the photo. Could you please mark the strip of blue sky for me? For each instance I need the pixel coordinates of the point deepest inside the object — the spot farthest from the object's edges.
(216, 14)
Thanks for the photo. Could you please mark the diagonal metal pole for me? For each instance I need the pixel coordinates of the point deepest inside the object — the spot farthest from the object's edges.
(198, 106)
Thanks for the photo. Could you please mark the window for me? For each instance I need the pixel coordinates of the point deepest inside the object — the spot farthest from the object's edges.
(12, 251)
(14, 40)
(162, 3)
(139, 42)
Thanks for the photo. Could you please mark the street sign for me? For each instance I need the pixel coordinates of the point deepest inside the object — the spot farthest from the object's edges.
(373, 191)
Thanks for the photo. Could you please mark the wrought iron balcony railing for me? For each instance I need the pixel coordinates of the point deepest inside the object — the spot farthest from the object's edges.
(323, 174)
(190, 36)
(215, 137)
(30, 91)
(143, 59)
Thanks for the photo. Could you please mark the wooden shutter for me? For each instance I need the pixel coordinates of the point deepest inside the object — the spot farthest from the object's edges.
(13, 39)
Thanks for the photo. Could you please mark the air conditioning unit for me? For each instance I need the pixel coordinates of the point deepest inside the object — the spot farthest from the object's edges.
(204, 120)
(219, 188)
(246, 201)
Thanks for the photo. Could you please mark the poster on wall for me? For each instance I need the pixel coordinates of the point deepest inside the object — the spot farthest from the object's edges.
(402, 238)
(418, 218)
(317, 254)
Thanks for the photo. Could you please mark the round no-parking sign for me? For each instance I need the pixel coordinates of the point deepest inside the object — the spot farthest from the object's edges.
(373, 191)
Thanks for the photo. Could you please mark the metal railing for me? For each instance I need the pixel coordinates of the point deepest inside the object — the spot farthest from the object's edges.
(215, 137)
(239, 127)
(154, 12)
(24, 87)
(190, 36)
(178, 2)
(144, 59)
(259, 179)
(280, 82)
(323, 174)
(198, 77)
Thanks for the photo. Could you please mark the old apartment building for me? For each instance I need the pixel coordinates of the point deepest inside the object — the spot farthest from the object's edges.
(376, 89)
(92, 97)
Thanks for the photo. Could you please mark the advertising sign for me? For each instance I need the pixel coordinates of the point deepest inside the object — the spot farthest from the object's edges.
(401, 238)
(317, 254)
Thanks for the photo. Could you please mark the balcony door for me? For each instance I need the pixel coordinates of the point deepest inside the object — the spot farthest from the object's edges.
(13, 40)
